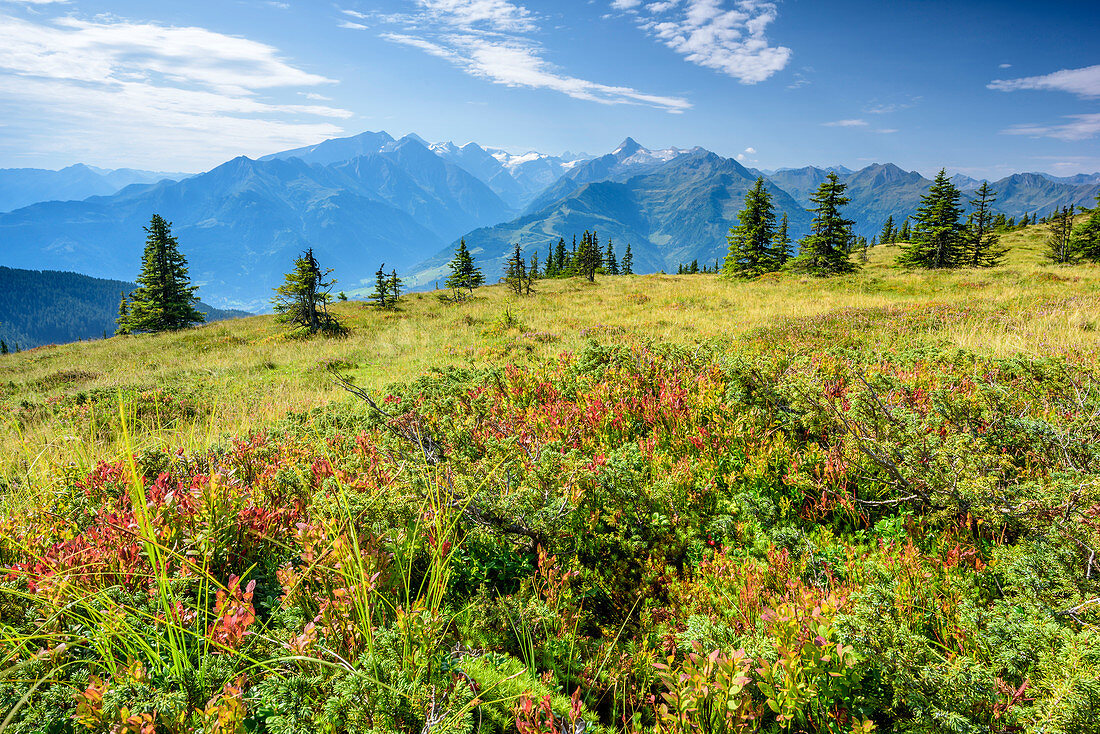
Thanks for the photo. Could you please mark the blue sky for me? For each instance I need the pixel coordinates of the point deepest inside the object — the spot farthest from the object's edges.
(986, 88)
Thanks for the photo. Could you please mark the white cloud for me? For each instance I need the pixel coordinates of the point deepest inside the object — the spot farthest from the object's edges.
(741, 156)
(1079, 127)
(489, 39)
(1084, 82)
(183, 96)
(1004, 66)
(750, 151)
(731, 40)
(353, 25)
(846, 123)
(497, 15)
(887, 130)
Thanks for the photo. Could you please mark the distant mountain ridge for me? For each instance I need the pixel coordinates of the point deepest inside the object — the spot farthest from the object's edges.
(678, 212)
(21, 187)
(369, 199)
(49, 307)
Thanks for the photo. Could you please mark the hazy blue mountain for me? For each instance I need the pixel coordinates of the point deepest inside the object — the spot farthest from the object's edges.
(1023, 193)
(677, 213)
(799, 182)
(966, 183)
(479, 162)
(21, 187)
(628, 160)
(337, 150)
(51, 307)
(240, 226)
(1079, 179)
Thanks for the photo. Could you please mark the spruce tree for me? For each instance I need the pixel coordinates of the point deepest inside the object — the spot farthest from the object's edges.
(782, 247)
(824, 251)
(982, 235)
(396, 284)
(381, 293)
(588, 257)
(887, 235)
(559, 257)
(123, 316)
(627, 264)
(751, 245)
(904, 234)
(533, 271)
(3, 347)
(164, 299)
(939, 237)
(610, 264)
(464, 273)
(1060, 241)
(515, 274)
(1086, 236)
(302, 300)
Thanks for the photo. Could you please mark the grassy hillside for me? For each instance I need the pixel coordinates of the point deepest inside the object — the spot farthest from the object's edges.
(874, 498)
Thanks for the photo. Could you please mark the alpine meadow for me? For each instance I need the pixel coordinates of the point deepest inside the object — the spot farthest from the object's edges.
(305, 429)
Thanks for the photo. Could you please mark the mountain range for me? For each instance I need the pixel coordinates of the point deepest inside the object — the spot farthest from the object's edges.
(21, 187)
(370, 199)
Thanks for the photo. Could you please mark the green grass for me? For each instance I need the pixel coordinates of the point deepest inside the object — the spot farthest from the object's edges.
(246, 374)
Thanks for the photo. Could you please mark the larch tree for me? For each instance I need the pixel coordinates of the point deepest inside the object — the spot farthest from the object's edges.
(302, 300)
(751, 242)
(940, 237)
(164, 300)
(824, 251)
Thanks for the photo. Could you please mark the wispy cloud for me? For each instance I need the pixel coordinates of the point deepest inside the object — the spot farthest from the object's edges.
(727, 38)
(352, 25)
(1084, 82)
(491, 39)
(1079, 127)
(159, 88)
(846, 123)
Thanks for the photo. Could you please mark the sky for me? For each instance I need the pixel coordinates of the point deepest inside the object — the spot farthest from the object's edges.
(985, 88)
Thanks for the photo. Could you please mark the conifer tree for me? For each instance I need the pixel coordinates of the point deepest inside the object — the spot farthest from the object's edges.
(1060, 240)
(887, 235)
(302, 300)
(588, 257)
(1086, 236)
(164, 299)
(381, 293)
(904, 235)
(982, 235)
(610, 264)
(824, 251)
(560, 257)
(3, 347)
(627, 265)
(939, 237)
(123, 316)
(396, 284)
(751, 246)
(515, 274)
(464, 273)
(782, 247)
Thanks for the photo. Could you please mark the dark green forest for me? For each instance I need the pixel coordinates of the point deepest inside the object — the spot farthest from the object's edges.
(51, 307)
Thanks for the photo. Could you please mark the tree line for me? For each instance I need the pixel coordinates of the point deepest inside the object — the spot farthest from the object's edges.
(939, 237)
